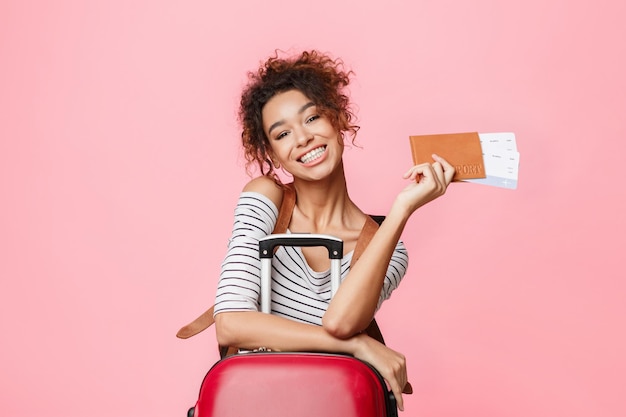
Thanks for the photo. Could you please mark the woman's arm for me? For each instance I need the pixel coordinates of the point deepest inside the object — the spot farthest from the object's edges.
(251, 330)
(354, 305)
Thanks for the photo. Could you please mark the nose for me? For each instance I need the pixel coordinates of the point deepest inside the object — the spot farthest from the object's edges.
(303, 136)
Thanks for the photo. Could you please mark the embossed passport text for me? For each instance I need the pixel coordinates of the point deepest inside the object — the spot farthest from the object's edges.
(462, 150)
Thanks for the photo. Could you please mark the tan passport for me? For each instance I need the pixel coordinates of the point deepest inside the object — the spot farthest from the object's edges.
(462, 150)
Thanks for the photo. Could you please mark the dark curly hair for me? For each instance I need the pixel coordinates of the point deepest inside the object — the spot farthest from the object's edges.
(320, 78)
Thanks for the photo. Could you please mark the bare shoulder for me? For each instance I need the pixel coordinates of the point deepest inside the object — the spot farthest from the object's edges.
(266, 186)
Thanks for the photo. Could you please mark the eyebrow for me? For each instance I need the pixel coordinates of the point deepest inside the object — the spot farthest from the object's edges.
(280, 122)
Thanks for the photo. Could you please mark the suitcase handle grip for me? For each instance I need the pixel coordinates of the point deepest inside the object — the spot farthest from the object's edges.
(268, 243)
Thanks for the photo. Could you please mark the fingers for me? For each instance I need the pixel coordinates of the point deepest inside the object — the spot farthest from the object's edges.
(448, 169)
(439, 173)
(397, 379)
(399, 400)
(396, 386)
(420, 173)
(416, 172)
(398, 389)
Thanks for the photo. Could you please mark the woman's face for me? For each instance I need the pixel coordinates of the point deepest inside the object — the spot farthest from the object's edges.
(302, 141)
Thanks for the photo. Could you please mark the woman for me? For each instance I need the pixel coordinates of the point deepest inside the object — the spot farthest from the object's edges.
(295, 115)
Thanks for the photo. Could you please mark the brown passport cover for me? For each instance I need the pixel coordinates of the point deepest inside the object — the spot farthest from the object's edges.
(462, 150)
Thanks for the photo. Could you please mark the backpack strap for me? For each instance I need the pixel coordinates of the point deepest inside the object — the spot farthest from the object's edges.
(202, 322)
(286, 209)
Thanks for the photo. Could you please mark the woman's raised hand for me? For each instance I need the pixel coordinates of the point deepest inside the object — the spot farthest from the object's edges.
(428, 181)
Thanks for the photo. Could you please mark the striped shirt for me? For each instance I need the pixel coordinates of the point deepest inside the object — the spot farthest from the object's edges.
(298, 292)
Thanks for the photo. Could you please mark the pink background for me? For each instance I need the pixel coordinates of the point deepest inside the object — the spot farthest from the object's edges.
(120, 168)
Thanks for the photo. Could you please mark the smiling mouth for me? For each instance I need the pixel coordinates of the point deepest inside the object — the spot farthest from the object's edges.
(313, 155)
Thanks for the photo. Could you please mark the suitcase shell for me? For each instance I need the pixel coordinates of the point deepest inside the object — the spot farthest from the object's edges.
(294, 384)
(272, 384)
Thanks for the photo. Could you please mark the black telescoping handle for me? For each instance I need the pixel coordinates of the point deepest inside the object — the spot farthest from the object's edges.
(269, 243)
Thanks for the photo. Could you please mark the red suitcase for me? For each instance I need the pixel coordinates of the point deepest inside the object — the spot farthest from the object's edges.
(275, 384)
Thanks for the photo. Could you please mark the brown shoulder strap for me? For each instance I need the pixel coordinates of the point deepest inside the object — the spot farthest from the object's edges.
(204, 321)
(367, 233)
(286, 209)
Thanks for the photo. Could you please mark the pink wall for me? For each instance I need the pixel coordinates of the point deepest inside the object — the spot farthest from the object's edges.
(119, 169)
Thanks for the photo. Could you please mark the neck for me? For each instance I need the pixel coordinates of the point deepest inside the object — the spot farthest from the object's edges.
(325, 203)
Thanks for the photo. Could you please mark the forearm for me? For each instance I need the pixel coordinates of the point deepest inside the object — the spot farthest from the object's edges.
(251, 330)
(354, 305)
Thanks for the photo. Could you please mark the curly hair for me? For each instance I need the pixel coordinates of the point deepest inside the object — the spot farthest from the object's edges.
(320, 78)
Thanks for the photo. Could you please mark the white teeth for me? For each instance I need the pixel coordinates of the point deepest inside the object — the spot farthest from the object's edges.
(313, 155)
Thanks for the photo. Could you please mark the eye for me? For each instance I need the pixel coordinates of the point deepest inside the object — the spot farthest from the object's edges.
(312, 118)
(281, 135)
